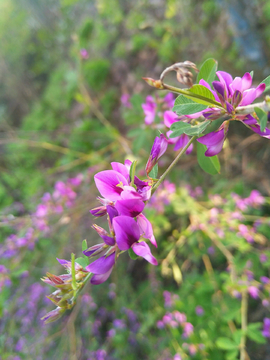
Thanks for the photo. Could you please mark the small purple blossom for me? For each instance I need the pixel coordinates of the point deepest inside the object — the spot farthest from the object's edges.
(158, 149)
(199, 310)
(125, 100)
(253, 292)
(149, 108)
(266, 327)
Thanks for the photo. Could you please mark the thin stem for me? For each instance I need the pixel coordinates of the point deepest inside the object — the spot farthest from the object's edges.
(172, 164)
(190, 94)
(244, 311)
(88, 277)
(225, 252)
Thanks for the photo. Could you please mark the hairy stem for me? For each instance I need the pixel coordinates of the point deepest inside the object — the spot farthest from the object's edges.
(172, 165)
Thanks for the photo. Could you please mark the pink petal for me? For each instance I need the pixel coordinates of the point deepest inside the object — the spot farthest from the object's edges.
(129, 207)
(212, 138)
(126, 231)
(248, 97)
(146, 229)
(107, 183)
(101, 265)
(246, 82)
(100, 278)
(143, 250)
(121, 169)
(169, 118)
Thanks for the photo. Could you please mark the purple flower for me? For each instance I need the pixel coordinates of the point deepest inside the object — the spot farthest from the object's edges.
(199, 310)
(230, 93)
(142, 249)
(125, 100)
(169, 100)
(214, 140)
(110, 184)
(101, 268)
(146, 229)
(53, 315)
(253, 292)
(158, 149)
(84, 53)
(181, 141)
(265, 280)
(188, 330)
(149, 109)
(127, 231)
(266, 327)
(129, 207)
(263, 258)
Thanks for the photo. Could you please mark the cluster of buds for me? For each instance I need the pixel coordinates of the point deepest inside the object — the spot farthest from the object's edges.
(67, 286)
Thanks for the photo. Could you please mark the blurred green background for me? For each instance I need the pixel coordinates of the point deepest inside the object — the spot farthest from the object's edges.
(61, 115)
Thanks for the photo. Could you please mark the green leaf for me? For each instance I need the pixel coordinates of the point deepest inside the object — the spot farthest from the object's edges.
(254, 326)
(208, 71)
(82, 261)
(185, 106)
(237, 336)
(154, 172)
(178, 128)
(252, 73)
(132, 254)
(256, 335)
(211, 164)
(232, 355)
(197, 129)
(266, 81)
(262, 117)
(204, 92)
(74, 284)
(84, 245)
(226, 344)
(132, 172)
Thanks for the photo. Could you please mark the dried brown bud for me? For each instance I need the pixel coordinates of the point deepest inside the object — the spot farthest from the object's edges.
(155, 83)
(183, 74)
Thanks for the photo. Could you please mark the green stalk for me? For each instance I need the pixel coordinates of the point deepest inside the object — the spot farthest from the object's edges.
(244, 311)
(172, 165)
(192, 95)
(74, 284)
(82, 284)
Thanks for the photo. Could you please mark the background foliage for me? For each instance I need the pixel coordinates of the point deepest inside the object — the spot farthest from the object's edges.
(61, 115)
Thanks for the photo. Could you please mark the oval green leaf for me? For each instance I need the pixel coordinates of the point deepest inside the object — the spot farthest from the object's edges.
(208, 71)
(210, 165)
(185, 106)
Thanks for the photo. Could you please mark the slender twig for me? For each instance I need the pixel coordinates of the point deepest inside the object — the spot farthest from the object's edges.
(244, 312)
(172, 165)
(225, 252)
(190, 94)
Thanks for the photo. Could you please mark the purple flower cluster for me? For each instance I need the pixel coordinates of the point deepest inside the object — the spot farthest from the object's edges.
(24, 315)
(63, 197)
(230, 93)
(123, 201)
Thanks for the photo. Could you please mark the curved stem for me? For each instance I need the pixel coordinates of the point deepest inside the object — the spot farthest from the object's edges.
(172, 164)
